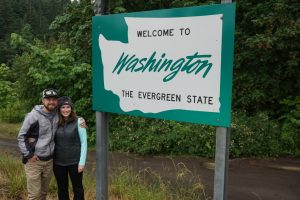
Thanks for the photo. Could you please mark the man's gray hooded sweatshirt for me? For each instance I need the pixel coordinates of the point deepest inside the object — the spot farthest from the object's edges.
(36, 136)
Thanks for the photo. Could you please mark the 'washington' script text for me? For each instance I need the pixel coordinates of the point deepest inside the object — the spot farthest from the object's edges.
(189, 64)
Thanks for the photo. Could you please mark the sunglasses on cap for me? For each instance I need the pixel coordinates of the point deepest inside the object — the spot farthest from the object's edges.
(49, 93)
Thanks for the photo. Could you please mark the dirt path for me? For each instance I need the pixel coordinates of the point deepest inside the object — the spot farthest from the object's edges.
(249, 179)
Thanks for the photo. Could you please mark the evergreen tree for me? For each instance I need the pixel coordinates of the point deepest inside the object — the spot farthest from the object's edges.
(17, 14)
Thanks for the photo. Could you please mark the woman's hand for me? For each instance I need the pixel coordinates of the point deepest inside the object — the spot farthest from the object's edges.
(80, 168)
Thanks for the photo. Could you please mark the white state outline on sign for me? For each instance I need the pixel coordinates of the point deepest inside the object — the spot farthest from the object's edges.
(205, 38)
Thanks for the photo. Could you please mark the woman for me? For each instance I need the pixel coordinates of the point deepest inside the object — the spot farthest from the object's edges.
(70, 151)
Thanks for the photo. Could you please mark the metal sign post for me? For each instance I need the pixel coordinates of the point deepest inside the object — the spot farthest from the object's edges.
(221, 158)
(221, 163)
(101, 134)
(101, 156)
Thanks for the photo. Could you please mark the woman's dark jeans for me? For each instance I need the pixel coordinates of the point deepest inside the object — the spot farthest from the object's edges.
(61, 174)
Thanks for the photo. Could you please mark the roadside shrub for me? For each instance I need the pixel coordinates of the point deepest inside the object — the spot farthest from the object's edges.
(153, 136)
(13, 112)
(290, 132)
(256, 136)
(290, 139)
(251, 136)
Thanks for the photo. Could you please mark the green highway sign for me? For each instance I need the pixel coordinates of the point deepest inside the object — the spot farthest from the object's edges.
(171, 64)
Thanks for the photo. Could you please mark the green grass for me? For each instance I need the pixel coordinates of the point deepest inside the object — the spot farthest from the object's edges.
(147, 185)
(9, 130)
(124, 183)
(12, 176)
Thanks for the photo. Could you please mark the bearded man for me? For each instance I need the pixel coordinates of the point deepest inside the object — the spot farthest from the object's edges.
(36, 143)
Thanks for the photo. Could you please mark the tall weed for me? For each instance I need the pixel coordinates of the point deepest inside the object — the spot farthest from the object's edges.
(13, 180)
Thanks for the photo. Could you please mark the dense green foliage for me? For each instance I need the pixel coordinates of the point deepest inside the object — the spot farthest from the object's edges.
(30, 17)
(11, 109)
(290, 136)
(267, 55)
(74, 29)
(257, 136)
(265, 88)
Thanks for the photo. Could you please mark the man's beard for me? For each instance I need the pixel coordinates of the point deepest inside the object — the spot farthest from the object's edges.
(50, 108)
